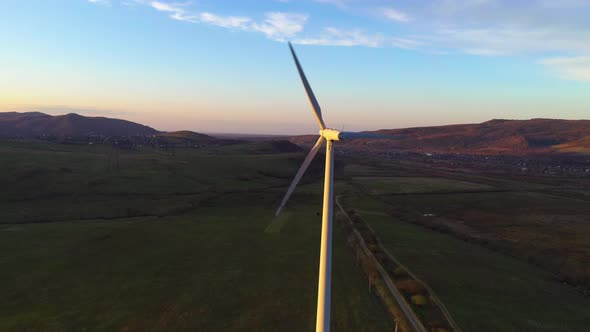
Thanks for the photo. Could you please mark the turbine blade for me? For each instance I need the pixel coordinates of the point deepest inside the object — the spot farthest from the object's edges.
(314, 103)
(300, 173)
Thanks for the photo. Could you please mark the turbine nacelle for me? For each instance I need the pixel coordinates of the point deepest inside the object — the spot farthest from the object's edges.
(331, 134)
(335, 135)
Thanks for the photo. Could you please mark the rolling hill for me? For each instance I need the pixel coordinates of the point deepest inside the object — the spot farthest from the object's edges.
(516, 137)
(36, 124)
(185, 137)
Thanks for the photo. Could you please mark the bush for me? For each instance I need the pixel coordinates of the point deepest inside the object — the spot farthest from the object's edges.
(381, 257)
(400, 272)
(410, 286)
(419, 300)
(440, 329)
(372, 247)
(438, 326)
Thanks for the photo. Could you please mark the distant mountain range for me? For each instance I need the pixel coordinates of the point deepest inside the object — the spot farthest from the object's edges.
(517, 137)
(35, 124)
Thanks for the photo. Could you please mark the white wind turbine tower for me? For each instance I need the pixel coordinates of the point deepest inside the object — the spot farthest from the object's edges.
(329, 136)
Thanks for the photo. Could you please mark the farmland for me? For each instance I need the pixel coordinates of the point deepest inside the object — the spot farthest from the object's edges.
(484, 290)
(163, 243)
(147, 239)
(500, 253)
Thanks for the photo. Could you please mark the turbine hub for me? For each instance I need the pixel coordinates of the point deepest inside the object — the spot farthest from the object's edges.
(331, 134)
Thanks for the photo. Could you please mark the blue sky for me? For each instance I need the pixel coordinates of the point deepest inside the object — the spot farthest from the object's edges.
(224, 66)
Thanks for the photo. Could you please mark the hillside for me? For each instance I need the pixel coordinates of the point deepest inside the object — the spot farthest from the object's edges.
(581, 145)
(186, 137)
(35, 124)
(517, 137)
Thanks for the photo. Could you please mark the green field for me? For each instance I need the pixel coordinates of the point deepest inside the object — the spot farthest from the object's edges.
(165, 243)
(484, 290)
(98, 239)
(410, 185)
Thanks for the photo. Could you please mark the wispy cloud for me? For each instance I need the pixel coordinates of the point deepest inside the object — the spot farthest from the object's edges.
(132, 3)
(475, 27)
(177, 10)
(337, 37)
(570, 68)
(514, 39)
(483, 52)
(279, 25)
(276, 25)
(395, 15)
(240, 22)
(451, 7)
(101, 2)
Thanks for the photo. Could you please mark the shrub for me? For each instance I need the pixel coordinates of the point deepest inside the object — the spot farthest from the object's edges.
(419, 300)
(440, 329)
(438, 326)
(410, 286)
(381, 257)
(400, 272)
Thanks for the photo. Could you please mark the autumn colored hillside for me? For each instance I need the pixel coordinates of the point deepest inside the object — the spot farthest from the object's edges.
(516, 137)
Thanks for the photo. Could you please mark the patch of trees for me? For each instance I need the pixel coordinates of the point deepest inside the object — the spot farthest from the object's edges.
(413, 290)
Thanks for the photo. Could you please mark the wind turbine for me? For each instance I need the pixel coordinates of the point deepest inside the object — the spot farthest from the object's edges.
(328, 136)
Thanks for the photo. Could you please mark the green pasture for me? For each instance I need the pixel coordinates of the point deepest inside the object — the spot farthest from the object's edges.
(483, 290)
(408, 185)
(166, 242)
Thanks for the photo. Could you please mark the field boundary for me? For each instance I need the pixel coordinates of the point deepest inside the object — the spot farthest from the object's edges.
(409, 315)
(433, 295)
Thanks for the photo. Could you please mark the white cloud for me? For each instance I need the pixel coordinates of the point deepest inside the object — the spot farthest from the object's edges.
(225, 21)
(476, 27)
(177, 10)
(515, 39)
(132, 3)
(451, 7)
(101, 2)
(279, 25)
(166, 7)
(570, 68)
(484, 52)
(276, 25)
(395, 15)
(337, 37)
(405, 43)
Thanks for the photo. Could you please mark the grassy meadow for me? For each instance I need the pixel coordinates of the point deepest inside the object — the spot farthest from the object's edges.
(165, 242)
(101, 239)
(484, 289)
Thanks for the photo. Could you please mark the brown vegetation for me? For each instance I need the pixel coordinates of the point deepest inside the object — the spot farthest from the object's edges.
(413, 290)
(514, 137)
(410, 286)
(35, 124)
